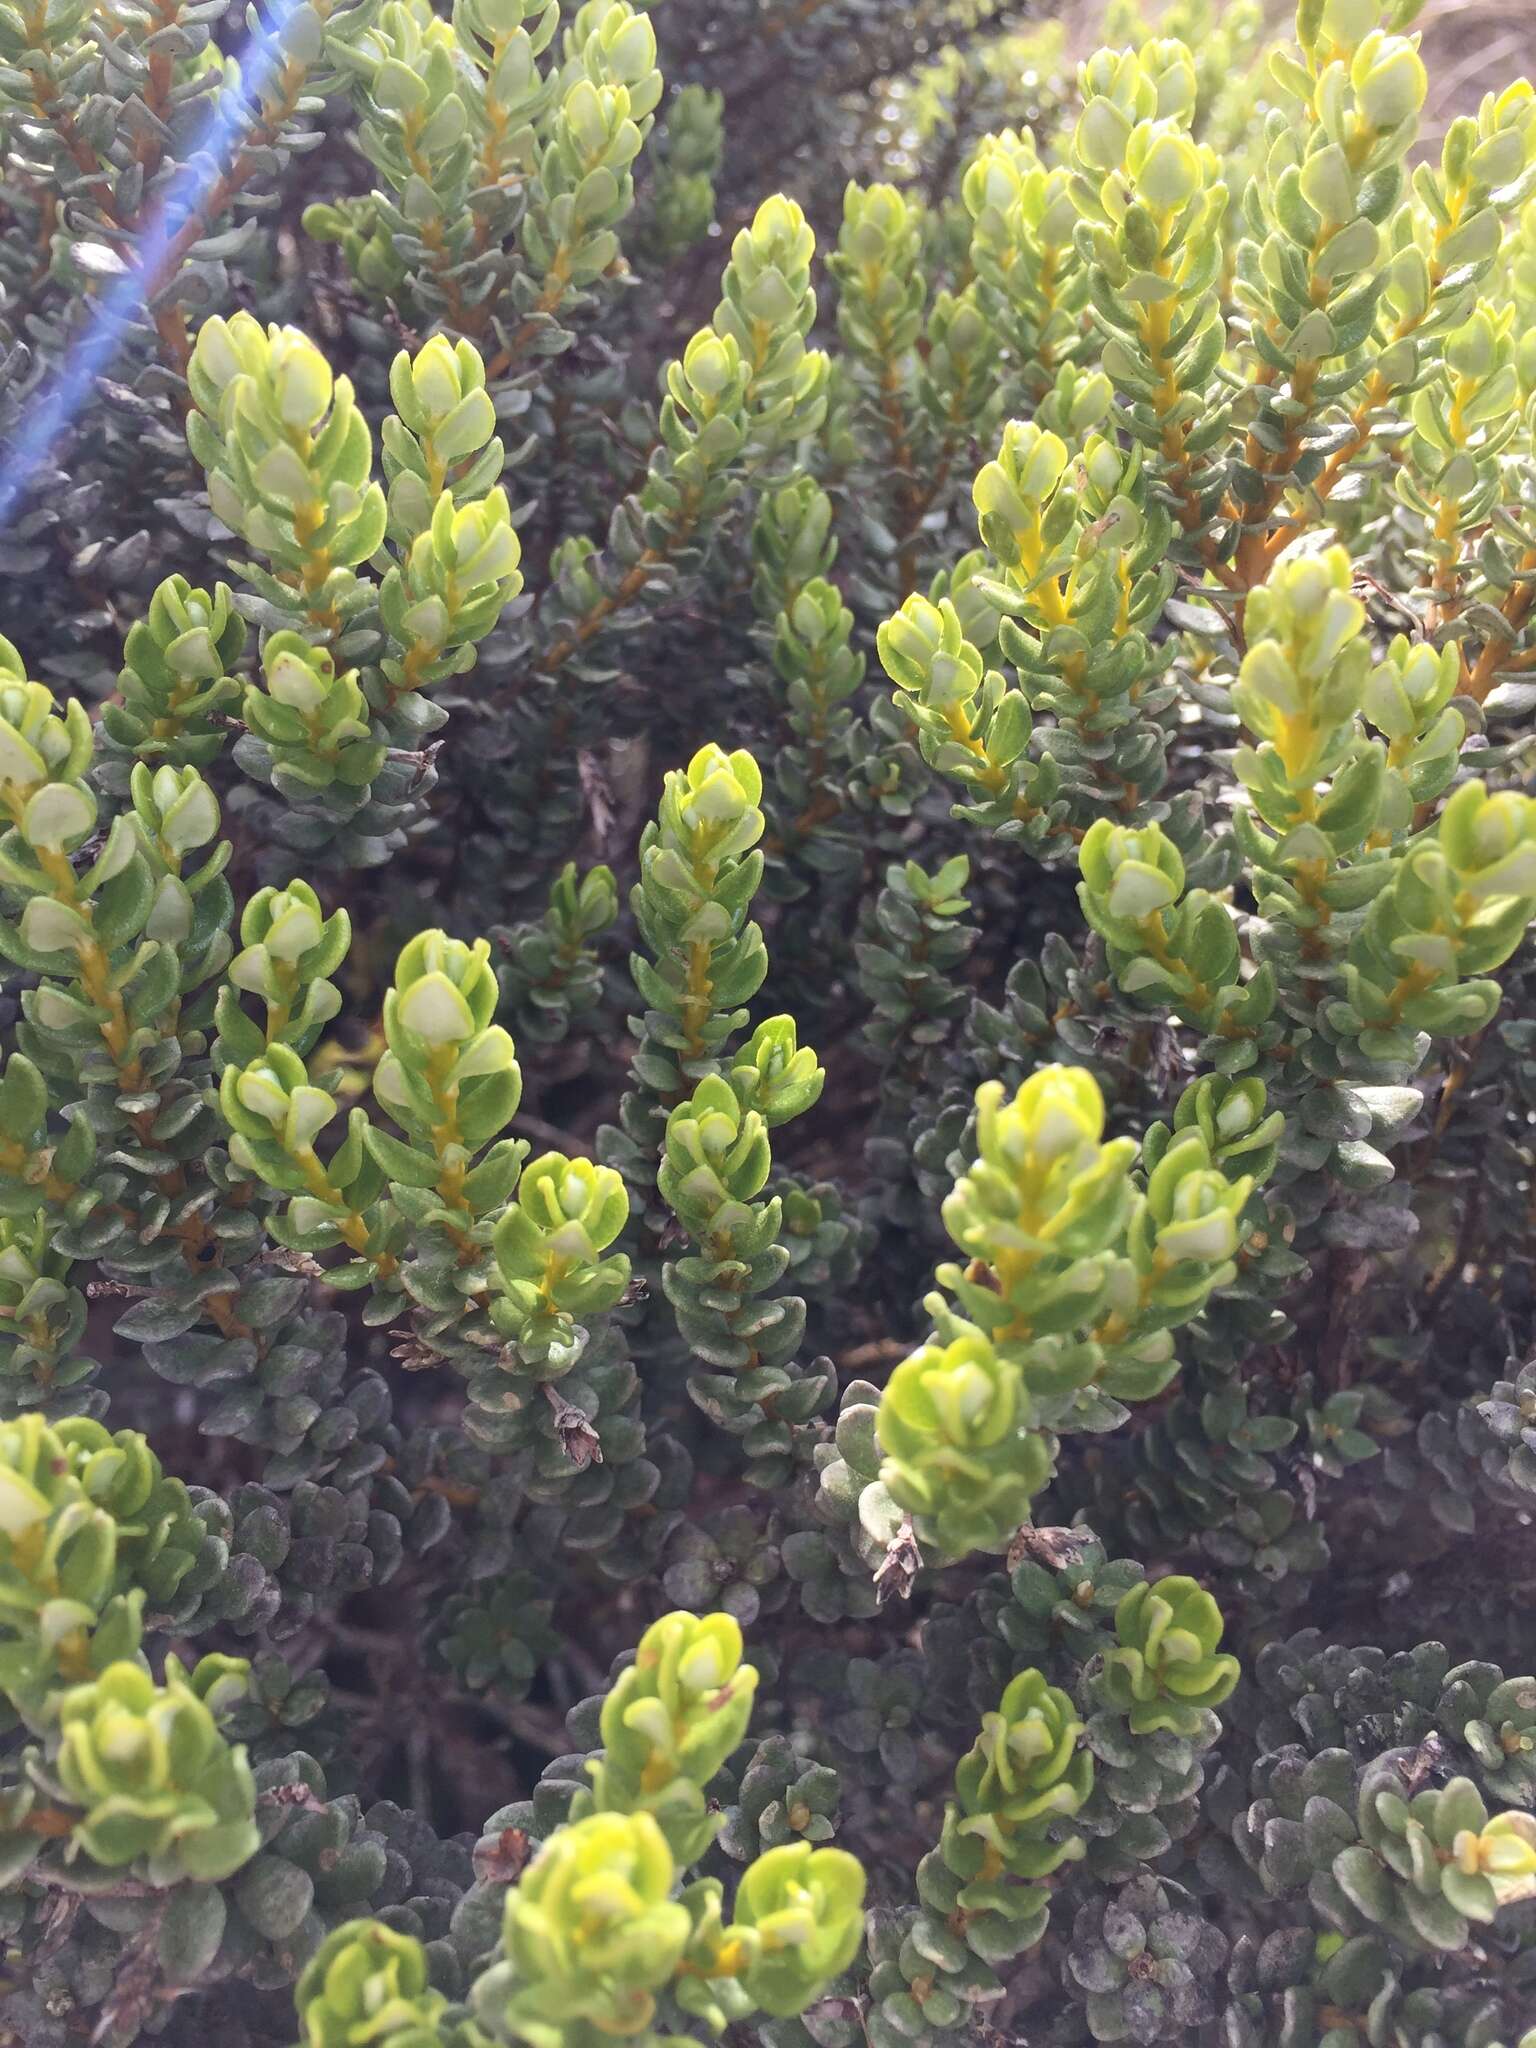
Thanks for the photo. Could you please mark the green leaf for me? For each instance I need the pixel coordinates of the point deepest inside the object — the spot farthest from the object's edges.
(191, 1931)
(401, 1162)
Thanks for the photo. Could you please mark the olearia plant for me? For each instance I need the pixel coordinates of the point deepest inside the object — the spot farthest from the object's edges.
(716, 1160)
(550, 973)
(730, 918)
(288, 457)
(1007, 1826)
(1075, 1277)
(600, 1934)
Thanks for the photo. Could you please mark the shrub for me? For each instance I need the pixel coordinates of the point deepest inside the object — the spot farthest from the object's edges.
(767, 1087)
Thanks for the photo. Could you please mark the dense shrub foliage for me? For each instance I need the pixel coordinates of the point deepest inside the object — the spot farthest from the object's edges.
(766, 1138)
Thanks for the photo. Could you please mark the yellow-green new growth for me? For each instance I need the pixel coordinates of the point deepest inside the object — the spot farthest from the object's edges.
(1165, 1672)
(960, 1457)
(289, 460)
(549, 1248)
(971, 725)
(369, 1982)
(157, 1787)
(799, 1914)
(1033, 287)
(314, 720)
(591, 1933)
(1457, 905)
(175, 676)
(699, 870)
(90, 1528)
(669, 1723)
(450, 1075)
(1177, 949)
(1026, 1770)
(1040, 1208)
(1153, 202)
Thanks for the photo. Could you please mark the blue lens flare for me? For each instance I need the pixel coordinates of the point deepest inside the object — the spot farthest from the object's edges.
(122, 303)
